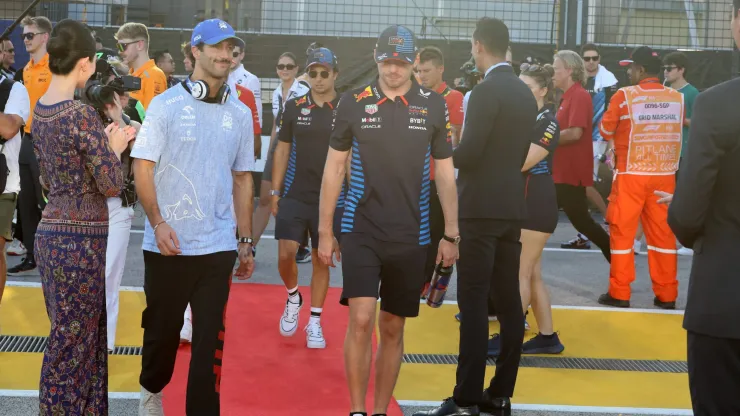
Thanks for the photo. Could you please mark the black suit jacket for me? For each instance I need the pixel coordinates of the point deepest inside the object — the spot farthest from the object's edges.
(498, 129)
(705, 212)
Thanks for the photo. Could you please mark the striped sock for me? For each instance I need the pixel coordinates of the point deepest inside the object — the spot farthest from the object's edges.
(315, 315)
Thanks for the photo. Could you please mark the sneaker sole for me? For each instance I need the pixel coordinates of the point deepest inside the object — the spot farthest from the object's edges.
(23, 273)
(305, 260)
(316, 345)
(546, 350)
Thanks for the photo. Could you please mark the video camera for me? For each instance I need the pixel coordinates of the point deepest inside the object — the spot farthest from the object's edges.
(99, 89)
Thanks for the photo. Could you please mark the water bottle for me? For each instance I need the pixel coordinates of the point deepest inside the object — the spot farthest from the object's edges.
(438, 286)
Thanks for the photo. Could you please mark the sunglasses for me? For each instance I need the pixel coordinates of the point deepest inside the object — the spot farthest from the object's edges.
(314, 74)
(527, 67)
(289, 67)
(669, 68)
(236, 54)
(30, 36)
(122, 46)
(591, 58)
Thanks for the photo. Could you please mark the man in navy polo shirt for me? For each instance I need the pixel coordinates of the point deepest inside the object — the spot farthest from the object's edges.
(393, 128)
(298, 165)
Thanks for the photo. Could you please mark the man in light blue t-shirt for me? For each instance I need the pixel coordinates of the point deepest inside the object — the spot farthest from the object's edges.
(194, 155)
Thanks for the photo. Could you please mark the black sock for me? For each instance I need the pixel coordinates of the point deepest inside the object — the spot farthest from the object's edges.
(547, 336)
(357, 413)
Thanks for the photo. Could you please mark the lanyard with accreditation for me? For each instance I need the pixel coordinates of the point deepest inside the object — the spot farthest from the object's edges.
(655, 136)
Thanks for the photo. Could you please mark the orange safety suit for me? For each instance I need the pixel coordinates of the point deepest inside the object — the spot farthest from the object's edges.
(645, 121)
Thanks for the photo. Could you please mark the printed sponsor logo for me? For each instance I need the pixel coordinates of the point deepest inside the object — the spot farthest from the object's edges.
(303, 121)
(370, 126)
(305, 111)
(414, 120)
(300, 101)
(418, 128)
(424, 94)
(382, 56)
(395, 41)
(417, 110)
(174, 100)
(372, 119)
(548, 135)
(227, 123)
(371, 109)
(367, 92)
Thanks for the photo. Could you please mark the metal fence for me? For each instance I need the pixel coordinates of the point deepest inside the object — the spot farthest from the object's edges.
(684, 24)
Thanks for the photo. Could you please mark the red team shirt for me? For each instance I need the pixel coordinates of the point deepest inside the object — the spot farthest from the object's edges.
(247, 98)
(573, 164)
(454, 100)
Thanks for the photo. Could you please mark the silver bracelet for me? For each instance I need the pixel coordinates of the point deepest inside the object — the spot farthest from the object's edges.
(154, 231)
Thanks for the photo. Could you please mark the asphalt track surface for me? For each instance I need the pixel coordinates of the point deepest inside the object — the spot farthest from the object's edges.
(575, 278)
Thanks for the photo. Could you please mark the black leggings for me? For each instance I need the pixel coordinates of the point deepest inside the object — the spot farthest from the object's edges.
(573, 201)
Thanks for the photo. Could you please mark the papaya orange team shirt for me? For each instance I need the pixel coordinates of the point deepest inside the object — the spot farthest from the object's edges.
(36, 79)
(153, 83)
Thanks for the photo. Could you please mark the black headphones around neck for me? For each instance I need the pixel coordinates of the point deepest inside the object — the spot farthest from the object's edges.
(200, 91)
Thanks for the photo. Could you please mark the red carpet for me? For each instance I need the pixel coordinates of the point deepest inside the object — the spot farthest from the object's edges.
(266, 374)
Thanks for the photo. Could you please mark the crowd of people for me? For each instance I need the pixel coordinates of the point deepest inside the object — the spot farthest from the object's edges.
(396, 178)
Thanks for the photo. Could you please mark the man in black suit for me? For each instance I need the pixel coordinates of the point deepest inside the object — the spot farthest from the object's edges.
(705, 216)
(498, 127)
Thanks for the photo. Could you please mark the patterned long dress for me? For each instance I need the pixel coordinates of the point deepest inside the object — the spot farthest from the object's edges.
(81, 171)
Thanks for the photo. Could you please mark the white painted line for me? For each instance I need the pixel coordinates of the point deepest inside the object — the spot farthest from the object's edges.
(572, 409)
(596, 308)
(35, 393)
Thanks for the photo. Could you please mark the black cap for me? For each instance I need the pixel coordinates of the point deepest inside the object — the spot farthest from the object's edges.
(644, 56)
(396, 42)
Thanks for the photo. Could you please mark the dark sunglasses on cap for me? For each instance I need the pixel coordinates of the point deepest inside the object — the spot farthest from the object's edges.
(289, 67)
(527, 67)
(30, 36)
(591, 58)
(314, 74)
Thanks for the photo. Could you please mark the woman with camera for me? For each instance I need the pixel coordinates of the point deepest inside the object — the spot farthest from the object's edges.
(80, 165)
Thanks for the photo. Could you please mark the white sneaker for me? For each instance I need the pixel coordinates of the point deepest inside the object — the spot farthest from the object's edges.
(186, 333)
(150, 404)
(289, 320)
(685, 251)
(315, 335)
(637, 246)
(16, 248)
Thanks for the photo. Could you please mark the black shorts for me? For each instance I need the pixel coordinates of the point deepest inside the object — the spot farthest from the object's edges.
(393, 272)
(542, 204)
(296, 218)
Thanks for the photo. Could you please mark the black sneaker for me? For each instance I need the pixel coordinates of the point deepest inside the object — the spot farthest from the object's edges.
(303, 255)
(664, 305)
(577, 243)
(608, 300)
(494, 345)
(27, 266)
(542, 344)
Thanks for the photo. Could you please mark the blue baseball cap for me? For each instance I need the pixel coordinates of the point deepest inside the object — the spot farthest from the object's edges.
(322, 56)
(211, 32)
(398, 43)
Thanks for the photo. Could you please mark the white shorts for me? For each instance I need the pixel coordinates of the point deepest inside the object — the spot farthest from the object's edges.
(599, 149)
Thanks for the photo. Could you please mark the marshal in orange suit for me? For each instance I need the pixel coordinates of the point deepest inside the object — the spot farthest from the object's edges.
(645, 121)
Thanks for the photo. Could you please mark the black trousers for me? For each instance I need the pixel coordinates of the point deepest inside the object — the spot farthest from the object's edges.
(170, 283)
(575, 204)
(437, 230)
(489, 263)
(714, 374)
(30, 203)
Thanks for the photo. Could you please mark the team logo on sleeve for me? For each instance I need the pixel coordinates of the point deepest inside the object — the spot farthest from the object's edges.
(300, 101)
(367, 92)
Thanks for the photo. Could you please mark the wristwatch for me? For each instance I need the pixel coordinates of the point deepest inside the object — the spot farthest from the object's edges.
(453, 240)
(245, 240)
(273, 192)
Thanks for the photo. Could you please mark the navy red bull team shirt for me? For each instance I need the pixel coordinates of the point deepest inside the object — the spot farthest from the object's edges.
(392, 143)
(307, 127)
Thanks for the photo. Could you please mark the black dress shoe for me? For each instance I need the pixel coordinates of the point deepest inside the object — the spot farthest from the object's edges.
(664, 305)
(608, 300)
(495, 405)
(450, 408)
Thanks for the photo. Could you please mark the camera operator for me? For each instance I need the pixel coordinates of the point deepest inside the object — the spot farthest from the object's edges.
(109, 70)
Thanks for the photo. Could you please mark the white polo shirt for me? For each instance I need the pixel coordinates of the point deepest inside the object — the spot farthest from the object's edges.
(298, 89)
(20, 105)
